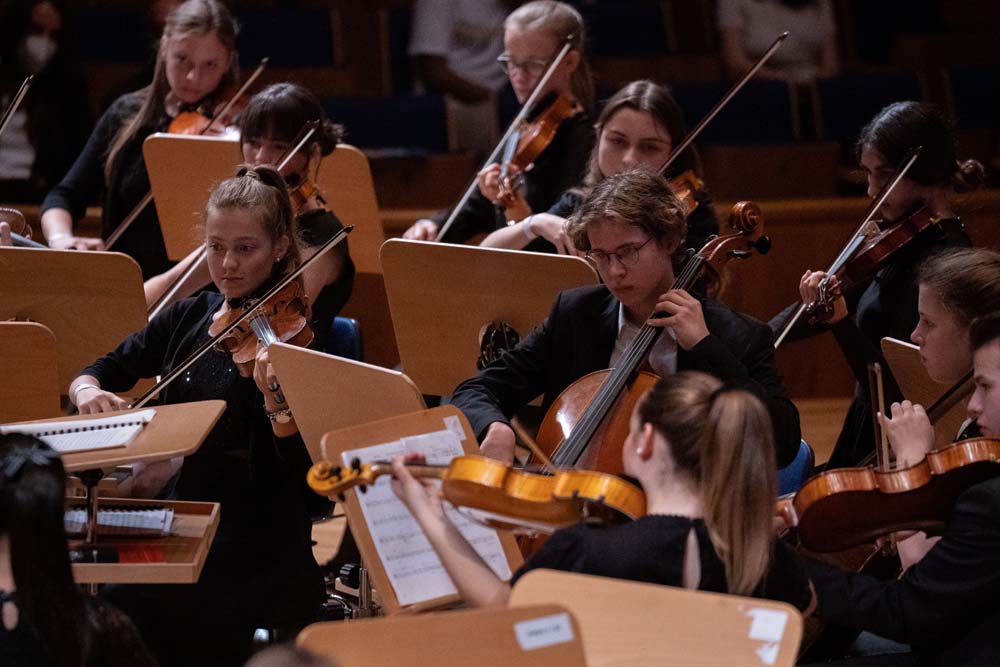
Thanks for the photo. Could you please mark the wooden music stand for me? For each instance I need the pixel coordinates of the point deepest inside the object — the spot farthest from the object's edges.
(345, 179)
(335, 443)
(441, 295)
(327, 393)
(183, 170)
(30, 387)
(443, 639)
(917, 386)
(626, 622)
(176, 430)
(91, 301)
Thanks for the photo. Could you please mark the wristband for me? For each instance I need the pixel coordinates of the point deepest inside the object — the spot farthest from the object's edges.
(526, 228)
(81, 387)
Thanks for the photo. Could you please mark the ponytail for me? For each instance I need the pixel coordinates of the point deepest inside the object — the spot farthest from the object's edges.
(738, 486)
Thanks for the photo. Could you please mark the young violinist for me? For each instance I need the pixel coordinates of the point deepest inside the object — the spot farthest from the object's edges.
(944, 605)
(534, 34)
(260, 571)
(887, 304)
(637, 129)
(629, 226)
(196, 64)
(45, 619)
(702, 452)
(269, 125)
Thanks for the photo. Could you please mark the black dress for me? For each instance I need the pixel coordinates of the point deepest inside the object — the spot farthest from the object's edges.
(651, 550)
(559, 167)
(260, 571)
(885, 306)
(127, 185)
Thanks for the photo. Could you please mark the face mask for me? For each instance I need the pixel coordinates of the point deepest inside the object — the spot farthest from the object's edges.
(37, 51)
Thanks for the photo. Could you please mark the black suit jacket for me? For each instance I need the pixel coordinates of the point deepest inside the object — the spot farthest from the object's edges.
(945, 606)
(578, 337)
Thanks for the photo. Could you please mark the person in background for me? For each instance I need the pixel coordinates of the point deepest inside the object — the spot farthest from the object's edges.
(47, 132)
(749, 27)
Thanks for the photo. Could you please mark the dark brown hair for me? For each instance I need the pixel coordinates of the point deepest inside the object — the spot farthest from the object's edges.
(281, 110)
(900, 127)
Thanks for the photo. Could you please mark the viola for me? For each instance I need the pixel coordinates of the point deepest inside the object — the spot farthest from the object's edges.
(839, 509)
(284, 317)
(588, 422)
(532, 137)
(508, 498)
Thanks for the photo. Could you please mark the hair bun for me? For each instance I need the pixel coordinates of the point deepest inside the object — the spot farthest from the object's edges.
(969, 175)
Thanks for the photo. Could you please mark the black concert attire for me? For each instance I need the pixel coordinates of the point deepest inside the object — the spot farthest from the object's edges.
(316, 227)
(886, 306)
(260, 572)
(578, 337)
(651, 549)
(701, 224)
(114, 639)
(559, 167)
(127, 185)
(944, 606)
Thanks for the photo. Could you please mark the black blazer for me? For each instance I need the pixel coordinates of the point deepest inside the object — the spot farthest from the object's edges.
(578, 337)
(945, 606)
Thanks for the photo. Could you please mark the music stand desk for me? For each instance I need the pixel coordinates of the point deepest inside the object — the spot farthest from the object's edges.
(441, 295)
(183, 552)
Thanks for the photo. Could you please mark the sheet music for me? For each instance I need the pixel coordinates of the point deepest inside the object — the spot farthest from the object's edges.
(113, 521)
(414, 570)
(116, 430)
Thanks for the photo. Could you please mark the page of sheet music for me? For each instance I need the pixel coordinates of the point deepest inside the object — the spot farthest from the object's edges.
(122, 521)
(414, 570)
(75, 435)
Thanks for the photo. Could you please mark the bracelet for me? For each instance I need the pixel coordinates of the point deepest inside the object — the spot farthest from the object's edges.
(80, 387)
(526, 228)
(282, 416)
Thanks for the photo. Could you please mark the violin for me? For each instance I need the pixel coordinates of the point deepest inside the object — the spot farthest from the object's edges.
(838, 509)
(531, 138)
(588, 421)
(20, 230)
(282, 318)
(686, 186)
(209, 118)
(509, 498)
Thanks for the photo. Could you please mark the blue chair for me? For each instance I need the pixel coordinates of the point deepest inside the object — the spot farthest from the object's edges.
(792, 476)
(344, 338)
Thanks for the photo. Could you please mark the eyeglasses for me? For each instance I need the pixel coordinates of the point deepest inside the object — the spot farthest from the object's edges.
(533, 67)
(626, 255)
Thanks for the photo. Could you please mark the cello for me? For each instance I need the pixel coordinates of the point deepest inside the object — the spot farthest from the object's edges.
(588, 421)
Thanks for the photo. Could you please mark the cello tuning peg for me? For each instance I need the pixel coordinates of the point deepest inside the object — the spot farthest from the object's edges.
(363, 489)
(356, 464)
(335, 471)
(763, 245)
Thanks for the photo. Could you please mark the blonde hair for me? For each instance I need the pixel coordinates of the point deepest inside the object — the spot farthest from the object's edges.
(722, 437)
(261, 190)
(564, 23)
(194, 17)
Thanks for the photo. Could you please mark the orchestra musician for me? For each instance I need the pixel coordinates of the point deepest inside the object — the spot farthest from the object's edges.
(887, 304)
(196, 62)
(260, 571)
(269, 125)
(944, 605)
(703, 453)
(533, 36)
(629, 226)
(637, 128)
